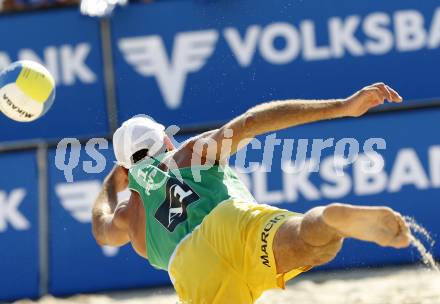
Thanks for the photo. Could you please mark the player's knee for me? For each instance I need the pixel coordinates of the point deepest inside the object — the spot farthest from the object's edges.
(314, 231)
(297, 253)
(323, 254)
(292, 251)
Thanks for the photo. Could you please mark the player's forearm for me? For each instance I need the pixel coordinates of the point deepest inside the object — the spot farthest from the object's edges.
(270, 117)
(279, 115)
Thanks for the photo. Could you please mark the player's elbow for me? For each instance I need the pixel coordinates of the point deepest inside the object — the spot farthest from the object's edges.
(111, 229)
(99, 238)
(100, 241)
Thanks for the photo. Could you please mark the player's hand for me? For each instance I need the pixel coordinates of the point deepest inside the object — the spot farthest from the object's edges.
(369, 97)
(120, 178)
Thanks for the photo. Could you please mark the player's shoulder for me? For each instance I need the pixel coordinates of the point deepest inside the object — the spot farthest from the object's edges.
(182, 156)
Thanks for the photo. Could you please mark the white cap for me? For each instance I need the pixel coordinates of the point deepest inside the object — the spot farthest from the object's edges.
(137, 133)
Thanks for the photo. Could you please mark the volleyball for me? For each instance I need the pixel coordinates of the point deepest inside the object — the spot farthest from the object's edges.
(27, 91)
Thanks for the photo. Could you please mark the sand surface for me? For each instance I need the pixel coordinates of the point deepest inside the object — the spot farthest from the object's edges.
(409, 285)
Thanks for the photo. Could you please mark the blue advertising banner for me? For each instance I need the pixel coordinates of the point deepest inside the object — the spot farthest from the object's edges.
(18, 226)
(69, 45)
(78, 263)
(221, 57)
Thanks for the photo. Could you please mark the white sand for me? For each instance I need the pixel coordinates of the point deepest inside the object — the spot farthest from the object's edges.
(377, 286)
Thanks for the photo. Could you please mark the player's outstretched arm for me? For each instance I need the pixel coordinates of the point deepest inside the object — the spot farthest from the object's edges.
(110, 219)
(277, 115)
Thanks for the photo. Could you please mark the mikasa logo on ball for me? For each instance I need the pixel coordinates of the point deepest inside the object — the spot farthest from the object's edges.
(17, 105)
(15, 108)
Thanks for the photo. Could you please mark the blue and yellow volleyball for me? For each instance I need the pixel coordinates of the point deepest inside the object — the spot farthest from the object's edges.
(27, 91)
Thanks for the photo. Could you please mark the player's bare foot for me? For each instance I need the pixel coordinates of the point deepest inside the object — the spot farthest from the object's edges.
(381, 225)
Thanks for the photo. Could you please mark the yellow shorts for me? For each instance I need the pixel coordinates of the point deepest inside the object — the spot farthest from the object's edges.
(229, 257)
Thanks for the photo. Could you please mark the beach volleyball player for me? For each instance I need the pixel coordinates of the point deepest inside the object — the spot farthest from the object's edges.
(207, 231)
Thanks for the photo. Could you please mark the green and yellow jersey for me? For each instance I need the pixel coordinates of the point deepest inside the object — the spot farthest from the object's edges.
(177, 201)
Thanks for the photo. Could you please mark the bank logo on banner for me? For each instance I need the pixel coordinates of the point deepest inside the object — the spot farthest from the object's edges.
(374, 34)
(78, 198)
(148, 56)
(67, 63)
(10, 214)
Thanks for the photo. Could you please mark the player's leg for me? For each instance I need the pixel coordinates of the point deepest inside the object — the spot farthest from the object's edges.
(316, 238)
